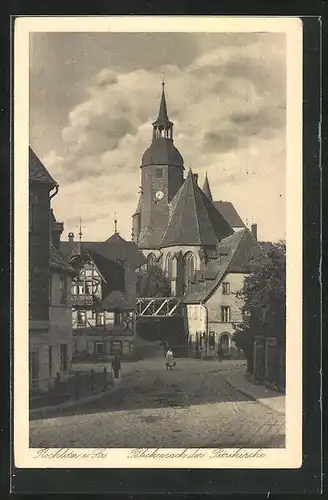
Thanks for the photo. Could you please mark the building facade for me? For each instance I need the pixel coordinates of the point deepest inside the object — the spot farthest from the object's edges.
(193, 239)
(104, 297)
(50, 331)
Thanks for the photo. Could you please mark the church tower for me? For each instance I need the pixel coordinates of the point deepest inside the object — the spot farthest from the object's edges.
(161, 177)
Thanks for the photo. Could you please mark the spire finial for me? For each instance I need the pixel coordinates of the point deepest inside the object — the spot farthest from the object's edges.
(115, 223)
(163, 79)
(80, 229)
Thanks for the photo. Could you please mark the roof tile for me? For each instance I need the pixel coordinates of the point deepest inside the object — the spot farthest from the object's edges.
(194, 220)
(229, 212)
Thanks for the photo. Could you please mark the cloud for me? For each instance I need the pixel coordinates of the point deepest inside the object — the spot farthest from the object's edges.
(220, 141)
(228, 107)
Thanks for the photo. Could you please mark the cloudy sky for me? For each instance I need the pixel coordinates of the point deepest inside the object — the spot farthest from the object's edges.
(93, 97)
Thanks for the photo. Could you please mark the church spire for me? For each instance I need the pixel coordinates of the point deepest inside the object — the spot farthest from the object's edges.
(162, 127)
(206, 188)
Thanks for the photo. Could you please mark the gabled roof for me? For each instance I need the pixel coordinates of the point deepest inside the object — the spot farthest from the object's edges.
(229, 213)
(207, 189)
(57, 262)
(194, 220)
(38, 172)
(113, 248)
(126, 251)
(112, 272)
(235, 253)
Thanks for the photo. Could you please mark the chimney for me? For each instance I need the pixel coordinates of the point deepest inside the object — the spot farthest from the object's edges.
(254, 230)
(196, 178)
(71, 237)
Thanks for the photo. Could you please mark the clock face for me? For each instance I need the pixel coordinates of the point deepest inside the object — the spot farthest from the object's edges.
(159, 195)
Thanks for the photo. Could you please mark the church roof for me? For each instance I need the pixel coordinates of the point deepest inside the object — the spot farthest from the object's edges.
(162, 117)
(207, 189)
(113, 248)
(229, 213)
(162, 152)
(38, 172)
(235, 253)
(194, 220)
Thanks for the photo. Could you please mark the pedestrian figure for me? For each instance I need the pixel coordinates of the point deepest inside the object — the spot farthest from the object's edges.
(220, 354)
(169, 360)
(116, 366)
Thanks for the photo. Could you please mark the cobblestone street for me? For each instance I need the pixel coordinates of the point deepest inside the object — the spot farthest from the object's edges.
(190, 406)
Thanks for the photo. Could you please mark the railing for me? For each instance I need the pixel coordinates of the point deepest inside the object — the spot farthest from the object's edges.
(158, 306)
(74, 386)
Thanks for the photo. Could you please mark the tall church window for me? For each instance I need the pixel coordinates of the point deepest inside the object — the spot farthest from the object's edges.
(189, 268)
(168, 265)
(159, 173)
(151, 260)
(174, 274)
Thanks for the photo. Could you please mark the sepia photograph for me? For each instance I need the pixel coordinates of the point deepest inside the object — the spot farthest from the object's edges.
(155, 184)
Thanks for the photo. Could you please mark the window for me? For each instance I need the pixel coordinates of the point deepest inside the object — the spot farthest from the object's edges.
(63, 290)
(63, 357)
(174, 268)
(225, 288)
(211, 340)
(159, 173)
(117, 319)
(116, 347)
(81, 317)
(189, 267)
(50, 290)
(100, 348)
(99, 318)
(50, 360)
(74, 348)
(168, 265)
(151, 260)
(225, 314)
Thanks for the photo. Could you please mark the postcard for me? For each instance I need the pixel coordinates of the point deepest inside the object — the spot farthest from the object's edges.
(158, 242)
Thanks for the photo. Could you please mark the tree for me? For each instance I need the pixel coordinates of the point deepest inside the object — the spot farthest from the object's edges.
(264, 298)
(152, 282)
